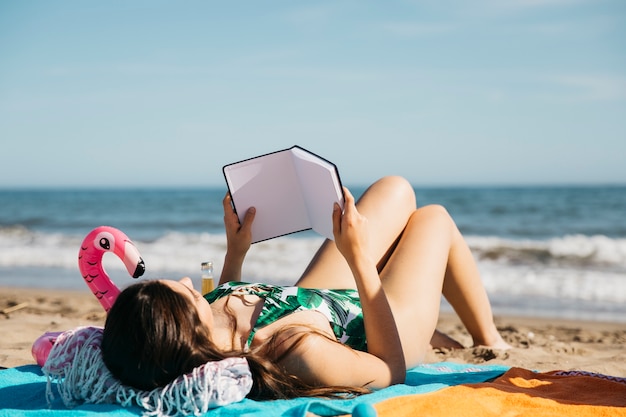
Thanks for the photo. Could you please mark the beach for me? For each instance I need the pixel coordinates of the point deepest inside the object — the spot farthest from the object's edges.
(541, 344)
(552, 259)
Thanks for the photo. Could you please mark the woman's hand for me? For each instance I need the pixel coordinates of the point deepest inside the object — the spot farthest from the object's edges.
(238, 236)
(383, 341)
(350, 230)
(238, 240)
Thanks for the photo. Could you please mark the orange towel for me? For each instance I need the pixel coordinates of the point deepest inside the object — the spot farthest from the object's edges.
(518, 392)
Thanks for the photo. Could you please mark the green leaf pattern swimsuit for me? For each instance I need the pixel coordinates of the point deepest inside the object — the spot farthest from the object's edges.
(342, 308)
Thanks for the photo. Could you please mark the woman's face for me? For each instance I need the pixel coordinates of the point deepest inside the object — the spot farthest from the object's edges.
(185, 287)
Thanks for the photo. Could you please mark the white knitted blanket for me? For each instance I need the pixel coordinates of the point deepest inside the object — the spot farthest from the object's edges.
(76, 367)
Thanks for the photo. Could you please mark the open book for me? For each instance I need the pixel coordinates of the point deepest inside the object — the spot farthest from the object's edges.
(292, 190)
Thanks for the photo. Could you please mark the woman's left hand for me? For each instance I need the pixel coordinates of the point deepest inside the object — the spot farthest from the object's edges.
(238, 236)
(238, 240)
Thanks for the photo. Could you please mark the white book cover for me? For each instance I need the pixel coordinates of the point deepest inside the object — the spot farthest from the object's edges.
(292, 190)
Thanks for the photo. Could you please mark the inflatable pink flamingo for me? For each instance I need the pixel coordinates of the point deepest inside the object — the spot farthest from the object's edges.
(99, 241)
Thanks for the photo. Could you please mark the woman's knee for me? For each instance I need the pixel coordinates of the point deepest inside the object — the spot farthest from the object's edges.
(434, 213)
(396, 190)
(434, 210)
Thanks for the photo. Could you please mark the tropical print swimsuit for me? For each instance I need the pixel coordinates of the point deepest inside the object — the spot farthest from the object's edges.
(342, 308)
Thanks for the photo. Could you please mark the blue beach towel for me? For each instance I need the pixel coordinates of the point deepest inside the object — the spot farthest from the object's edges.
(23, 393)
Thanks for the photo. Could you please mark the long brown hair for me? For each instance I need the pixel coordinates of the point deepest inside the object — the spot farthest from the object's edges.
(152, 335)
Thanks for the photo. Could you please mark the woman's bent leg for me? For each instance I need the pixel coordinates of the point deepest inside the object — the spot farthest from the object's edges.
(430, 258)
(464, 290)
(387, 204)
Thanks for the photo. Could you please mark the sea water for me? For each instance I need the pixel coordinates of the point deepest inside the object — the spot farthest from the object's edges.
(543, 251)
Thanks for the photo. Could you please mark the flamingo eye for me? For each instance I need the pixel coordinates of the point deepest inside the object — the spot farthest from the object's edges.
(104, 241)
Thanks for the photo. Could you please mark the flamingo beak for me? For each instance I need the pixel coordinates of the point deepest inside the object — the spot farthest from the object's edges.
(132, 260)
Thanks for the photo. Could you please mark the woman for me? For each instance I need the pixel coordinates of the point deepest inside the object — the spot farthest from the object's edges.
(382, 277)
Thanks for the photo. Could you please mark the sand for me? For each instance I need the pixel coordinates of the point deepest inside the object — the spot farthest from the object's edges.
(539, 344)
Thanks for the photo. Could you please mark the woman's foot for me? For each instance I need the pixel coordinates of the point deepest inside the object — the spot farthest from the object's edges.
(499, 345)
(495, 341)
(442, 340)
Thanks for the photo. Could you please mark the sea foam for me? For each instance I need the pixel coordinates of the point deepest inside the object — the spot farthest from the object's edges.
(573, 269)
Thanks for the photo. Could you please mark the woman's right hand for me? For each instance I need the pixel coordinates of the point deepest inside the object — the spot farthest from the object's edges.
(351, 234)
(350, 230)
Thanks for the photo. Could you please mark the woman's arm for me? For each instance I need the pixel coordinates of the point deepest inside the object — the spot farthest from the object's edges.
(238, 240)
(383, 341)
(320, 361)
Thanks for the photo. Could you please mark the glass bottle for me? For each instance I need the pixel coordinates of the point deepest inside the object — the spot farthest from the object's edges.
(207, 277)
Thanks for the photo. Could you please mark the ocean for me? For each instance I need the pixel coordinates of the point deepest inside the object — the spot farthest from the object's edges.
(542, 251)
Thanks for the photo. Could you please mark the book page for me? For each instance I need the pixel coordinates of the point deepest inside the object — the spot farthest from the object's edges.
(270, 184)
(321, 188)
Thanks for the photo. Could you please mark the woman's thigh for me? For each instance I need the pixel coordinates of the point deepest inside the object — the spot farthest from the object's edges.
(413, 278)
(387, 204)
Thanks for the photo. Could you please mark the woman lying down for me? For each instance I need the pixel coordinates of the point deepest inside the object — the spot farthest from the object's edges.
(362, 313)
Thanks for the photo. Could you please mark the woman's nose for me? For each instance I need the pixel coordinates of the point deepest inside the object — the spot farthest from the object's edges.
(187, 282)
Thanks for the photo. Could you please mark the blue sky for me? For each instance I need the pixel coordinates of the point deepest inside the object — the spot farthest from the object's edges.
(156, 93)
